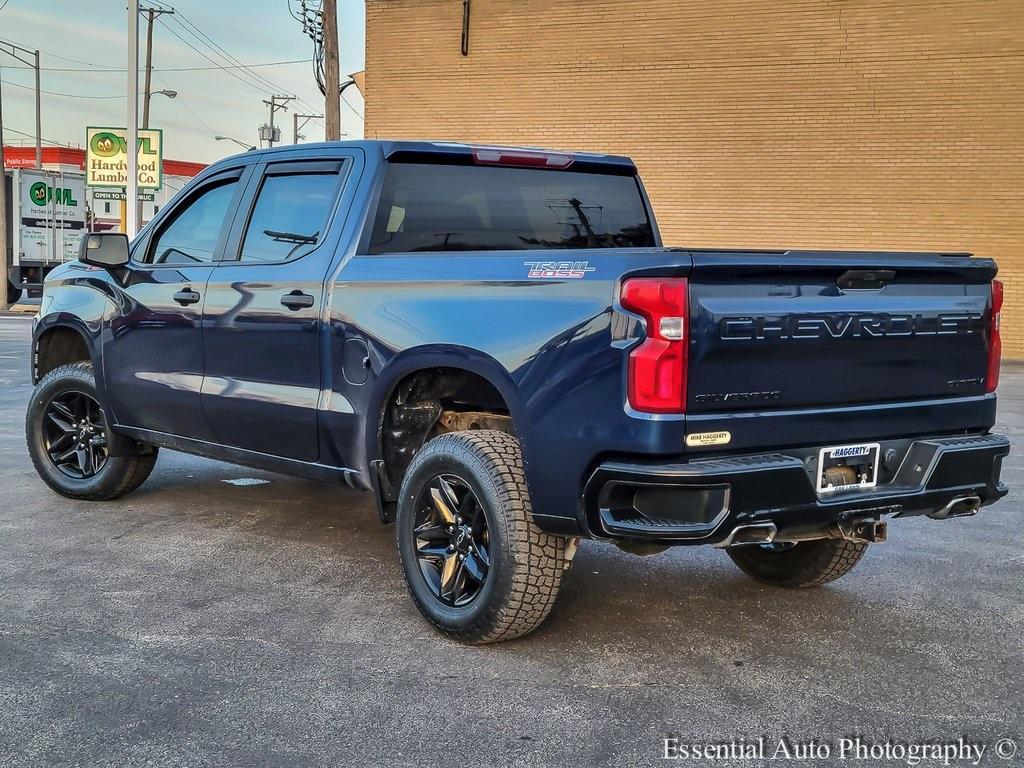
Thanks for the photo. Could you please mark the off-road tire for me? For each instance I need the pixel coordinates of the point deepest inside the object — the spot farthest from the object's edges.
(806, 564)
(119, 475)
(526, 564)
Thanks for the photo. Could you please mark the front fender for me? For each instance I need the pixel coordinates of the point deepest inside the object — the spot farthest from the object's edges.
(79, 298)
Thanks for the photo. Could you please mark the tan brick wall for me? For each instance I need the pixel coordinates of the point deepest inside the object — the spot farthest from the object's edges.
(755, 123)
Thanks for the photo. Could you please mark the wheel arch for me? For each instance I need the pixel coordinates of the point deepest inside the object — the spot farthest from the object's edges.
(58, 341)
(459, 379)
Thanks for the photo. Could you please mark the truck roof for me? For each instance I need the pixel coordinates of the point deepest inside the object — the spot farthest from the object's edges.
(435, 151)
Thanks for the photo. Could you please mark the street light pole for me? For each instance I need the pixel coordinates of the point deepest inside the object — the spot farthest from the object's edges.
(39, 119)
(132, 187)
(149, 69)
(14, 50)
(151, 14)
(3, 210)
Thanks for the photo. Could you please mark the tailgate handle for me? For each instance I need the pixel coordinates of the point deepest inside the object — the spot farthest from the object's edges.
(865, 279)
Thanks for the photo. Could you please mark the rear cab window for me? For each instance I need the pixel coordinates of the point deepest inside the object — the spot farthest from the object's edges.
(435, 207)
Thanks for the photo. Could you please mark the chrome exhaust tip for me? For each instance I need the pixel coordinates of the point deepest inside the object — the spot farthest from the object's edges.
(755, 533)
(961, 506)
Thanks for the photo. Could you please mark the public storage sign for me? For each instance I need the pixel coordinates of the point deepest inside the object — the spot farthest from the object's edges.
(106, 157)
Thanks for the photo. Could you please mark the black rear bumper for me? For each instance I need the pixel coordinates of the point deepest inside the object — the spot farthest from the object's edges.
(702, 501)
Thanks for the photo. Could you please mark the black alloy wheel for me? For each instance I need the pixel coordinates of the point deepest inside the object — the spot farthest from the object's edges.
(452, 540)
(70, 441)
(74, 436)
(477, 565)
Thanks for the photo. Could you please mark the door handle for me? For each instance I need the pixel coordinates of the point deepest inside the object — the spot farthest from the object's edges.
(297, 300)
(187, 296)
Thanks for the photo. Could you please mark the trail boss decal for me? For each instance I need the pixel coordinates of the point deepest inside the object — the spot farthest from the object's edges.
(558, 270)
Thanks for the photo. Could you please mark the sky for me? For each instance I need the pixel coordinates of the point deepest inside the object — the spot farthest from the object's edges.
(79, 39)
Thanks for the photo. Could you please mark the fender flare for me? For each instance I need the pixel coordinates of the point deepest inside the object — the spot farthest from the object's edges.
(69, 321)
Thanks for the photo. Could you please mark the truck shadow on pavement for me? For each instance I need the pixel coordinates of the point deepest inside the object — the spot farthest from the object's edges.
(686, 595)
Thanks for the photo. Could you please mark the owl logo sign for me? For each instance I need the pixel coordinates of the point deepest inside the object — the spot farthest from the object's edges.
(106, 158)
(42, 193)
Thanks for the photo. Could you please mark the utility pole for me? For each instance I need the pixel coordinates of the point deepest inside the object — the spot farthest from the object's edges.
(4, 235)
(332, 77)
(131, 189)
(151, 13)
(276, 103)
(17, 52)
(296, 127)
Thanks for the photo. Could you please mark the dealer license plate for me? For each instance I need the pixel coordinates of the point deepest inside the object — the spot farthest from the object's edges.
(843, 467)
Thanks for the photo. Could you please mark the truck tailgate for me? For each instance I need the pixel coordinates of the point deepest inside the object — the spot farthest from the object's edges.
(775, 330)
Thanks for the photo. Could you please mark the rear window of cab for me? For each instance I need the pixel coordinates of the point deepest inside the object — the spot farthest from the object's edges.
(431, 207)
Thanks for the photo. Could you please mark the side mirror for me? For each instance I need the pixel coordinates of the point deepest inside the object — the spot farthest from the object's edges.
(104, 249)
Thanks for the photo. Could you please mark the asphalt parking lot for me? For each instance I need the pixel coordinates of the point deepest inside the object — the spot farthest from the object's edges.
(200, 622)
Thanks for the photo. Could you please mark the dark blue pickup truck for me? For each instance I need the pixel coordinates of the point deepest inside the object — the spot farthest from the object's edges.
(495, 343)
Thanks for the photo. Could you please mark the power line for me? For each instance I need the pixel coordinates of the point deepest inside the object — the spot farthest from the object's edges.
(205, 56)
(212, 44)
(349, 105)
(32, 136)
(76, 61)
(65, 95)
(253, 81)
(220, 50)
(188, 26)
(170, 69)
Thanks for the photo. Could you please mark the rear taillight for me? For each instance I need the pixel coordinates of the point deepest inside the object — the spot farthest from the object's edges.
(657, 366)
(995, 344)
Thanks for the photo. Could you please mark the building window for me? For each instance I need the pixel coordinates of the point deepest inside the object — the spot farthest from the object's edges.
(106, 207)
(156, 209)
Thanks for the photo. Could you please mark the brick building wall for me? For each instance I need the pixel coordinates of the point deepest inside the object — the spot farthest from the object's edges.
(856, 124)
